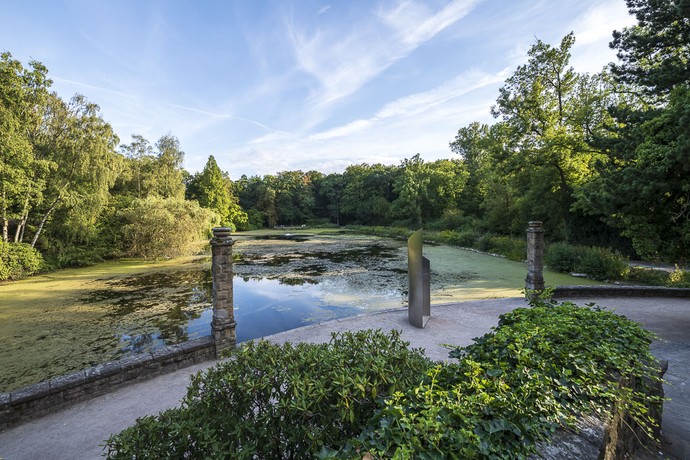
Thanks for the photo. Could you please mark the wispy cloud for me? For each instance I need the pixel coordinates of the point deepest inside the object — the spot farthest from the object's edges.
(342, 61)
(592, 32)
(419, 103)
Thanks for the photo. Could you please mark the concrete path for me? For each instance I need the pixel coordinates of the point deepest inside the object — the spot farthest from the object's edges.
(80, 431)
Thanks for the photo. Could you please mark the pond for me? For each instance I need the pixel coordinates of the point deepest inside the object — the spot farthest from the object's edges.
(71, 319)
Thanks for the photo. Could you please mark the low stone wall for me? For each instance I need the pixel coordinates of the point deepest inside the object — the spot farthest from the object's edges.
(55, 394)
(619, 291)
(617, 438)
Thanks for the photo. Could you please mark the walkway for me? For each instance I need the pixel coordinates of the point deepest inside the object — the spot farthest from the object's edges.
(79, 432)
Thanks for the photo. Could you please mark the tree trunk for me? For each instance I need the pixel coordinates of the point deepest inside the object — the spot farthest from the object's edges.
(21, 225)
(44, 220)
(5, 223)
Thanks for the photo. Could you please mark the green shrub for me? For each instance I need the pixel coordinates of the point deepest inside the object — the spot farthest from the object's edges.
(597, 263)
(483, 243)
(538, 370)
(562, 257)
(511, 247)
(18, 260)
(602, 264)
(678, 278)
(271, 401)
(647, 276)
(155, 228)
(463, 239)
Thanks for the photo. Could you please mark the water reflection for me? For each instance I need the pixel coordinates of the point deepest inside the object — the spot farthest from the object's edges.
(158, 309)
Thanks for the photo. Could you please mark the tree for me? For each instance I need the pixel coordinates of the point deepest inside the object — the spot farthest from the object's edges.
(328, 197)
(23, 93)
(140, 155)
(166, 178)
(368, 194)
(654, 54)
(80, 147)
(213, 189)
(643, 187)
(551, 112)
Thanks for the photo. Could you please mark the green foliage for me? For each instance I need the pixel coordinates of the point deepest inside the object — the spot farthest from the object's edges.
(512, 248)
(539, 369)
(597, 263)
(602, 264)
(653, 277)
(271, 401)
(463, 239)
(213, 189)
(164, 227)
(18, 260)
(562, 257)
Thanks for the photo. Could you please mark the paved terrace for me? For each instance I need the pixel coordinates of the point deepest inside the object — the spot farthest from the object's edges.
(79, 431)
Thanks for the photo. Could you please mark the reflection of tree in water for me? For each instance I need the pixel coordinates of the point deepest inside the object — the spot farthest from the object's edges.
(154, 309)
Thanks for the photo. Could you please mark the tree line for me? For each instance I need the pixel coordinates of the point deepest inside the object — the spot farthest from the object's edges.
(602, 159)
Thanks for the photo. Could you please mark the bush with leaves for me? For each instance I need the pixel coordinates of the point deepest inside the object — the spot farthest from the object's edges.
(602, 264)
(157, 228)
(18, 260)
(562, 257)
(279, 402)
(597, 263)
(540, 369)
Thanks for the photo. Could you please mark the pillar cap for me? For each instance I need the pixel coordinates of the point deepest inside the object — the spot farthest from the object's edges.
(221, 236)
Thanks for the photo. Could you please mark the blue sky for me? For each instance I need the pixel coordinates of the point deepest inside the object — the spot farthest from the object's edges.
(267, 86)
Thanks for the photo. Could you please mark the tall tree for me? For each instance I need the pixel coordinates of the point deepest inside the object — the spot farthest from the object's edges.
(23, 94)
(550, 111)
(81, 147)
(213, 189)
(644, 187)
(654, 54)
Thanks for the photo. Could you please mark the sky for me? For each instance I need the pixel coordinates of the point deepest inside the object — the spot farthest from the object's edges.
(267, 86)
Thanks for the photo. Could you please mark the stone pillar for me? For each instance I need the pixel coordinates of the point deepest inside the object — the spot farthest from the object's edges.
(223, 323)
(535, 257)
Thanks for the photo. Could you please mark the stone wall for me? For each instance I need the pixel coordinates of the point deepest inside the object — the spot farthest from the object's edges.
(564, 292)
(59, 392)
(617, 438)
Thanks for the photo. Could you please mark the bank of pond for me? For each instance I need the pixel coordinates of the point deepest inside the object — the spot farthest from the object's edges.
(63, 321)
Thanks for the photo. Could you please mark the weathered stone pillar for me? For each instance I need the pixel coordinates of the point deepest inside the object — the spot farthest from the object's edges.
(535, 257)
(223, 323)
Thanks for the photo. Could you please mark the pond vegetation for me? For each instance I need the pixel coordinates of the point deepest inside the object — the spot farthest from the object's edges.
(74, 318)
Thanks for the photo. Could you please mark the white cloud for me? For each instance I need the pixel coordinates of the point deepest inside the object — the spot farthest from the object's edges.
(342, 61)
(417, 104)
(593, 32)
(415, 23)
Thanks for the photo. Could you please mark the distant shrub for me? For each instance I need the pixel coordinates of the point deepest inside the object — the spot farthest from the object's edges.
(602, 264)
(678, 278)
(562, 257)
(157, 228)
(511, 247)
(463, 239)
(647, 276)
(597, 263)
(483, 243)
(18, 260)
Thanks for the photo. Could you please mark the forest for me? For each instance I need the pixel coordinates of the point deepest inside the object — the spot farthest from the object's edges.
(602, 159)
